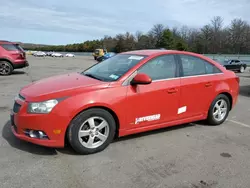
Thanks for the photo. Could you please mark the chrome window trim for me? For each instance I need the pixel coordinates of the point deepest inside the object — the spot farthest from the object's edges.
(201, 75)
(127, 81)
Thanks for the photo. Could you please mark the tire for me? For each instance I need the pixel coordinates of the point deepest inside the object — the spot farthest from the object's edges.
(242, 69)
(6, 68)
(81, 122)
(95, 58)
(213, 119)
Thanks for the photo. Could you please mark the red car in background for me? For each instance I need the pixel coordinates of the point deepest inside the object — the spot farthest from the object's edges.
(129, 93)
(12, 56)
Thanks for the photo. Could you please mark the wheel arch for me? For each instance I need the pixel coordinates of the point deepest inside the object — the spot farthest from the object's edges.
(112, 112)
(229, 97)
(5, 59)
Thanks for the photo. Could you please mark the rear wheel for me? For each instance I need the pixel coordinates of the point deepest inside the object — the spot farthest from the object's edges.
(91, 131)
(242, 69)
(218, 110)
(5, 68)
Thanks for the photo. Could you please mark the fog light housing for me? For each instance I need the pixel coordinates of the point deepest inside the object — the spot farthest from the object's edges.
(36, 134)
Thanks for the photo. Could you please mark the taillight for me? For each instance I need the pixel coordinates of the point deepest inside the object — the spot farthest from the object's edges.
(20, 55)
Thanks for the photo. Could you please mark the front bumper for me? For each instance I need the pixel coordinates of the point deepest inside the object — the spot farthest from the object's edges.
(53, 125)
(47, 143)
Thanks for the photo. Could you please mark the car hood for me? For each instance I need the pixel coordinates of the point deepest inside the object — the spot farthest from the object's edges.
(60, 86)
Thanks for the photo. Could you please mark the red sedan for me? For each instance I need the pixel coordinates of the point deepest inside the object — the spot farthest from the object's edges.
(129, 93)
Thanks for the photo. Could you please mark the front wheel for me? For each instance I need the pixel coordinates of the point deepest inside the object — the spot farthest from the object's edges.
(218, 110)
(91, 131)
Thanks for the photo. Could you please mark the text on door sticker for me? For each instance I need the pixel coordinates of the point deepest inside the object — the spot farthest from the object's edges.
(147, 118)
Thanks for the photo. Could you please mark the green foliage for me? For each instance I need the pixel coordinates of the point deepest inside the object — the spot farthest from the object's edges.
(167, 40)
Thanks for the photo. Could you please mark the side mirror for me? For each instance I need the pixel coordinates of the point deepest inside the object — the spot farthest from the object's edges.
(141, 78)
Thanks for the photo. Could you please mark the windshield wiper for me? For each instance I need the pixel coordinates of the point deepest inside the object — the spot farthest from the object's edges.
(92, 76)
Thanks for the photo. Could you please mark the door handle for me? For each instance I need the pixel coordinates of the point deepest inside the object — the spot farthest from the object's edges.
(172, 90)
(209, 84)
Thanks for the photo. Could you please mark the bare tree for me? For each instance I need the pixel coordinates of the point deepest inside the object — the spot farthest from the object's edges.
(238, 34)
(157, 32)
(206, 37)
(216, 25)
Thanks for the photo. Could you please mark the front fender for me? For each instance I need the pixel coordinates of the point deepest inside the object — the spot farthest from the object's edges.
(91, 105)
(112, 98)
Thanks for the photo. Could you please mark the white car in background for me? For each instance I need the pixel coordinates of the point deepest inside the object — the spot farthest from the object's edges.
(39, 54)
(57, 55)
(69, 55)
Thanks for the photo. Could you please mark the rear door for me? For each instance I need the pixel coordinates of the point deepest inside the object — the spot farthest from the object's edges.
(233, 65)
(157, 102)
(198, 82)
(237, 65)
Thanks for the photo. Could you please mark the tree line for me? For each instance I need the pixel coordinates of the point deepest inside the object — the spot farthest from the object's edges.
(212, 38)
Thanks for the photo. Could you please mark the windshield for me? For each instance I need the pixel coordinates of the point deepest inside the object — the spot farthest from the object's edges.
(113, 68)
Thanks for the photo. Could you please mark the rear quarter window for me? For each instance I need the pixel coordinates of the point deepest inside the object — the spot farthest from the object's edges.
(196, 66)
(211, 69)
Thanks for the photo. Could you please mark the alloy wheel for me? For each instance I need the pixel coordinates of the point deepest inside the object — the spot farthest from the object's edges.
(93, 132)
(5, 68)
(220, 110)
(242, 69)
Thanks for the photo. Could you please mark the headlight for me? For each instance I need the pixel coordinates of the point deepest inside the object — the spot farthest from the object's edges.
(42, 107)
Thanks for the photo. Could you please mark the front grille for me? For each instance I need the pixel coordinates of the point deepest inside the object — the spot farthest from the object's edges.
(16, 107)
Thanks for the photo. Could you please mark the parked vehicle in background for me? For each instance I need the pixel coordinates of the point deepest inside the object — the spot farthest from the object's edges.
(28, 52)
(234, 65)
(39, 54)
(12, 56)
(99, 53)
(49, 53)
(131, 92)
(69, 55)
(56, 55)
(105, 56)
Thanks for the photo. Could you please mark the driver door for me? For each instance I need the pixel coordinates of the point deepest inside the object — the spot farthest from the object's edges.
(158, 102)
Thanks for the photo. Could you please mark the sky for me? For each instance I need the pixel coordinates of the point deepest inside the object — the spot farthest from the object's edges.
(75, 21)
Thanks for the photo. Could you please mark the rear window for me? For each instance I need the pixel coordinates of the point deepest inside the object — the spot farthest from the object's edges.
(19, 47)
(11, 47)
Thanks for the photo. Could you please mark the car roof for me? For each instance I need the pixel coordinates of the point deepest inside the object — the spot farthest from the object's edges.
(234, 60)
(155, 52)
(6, 42)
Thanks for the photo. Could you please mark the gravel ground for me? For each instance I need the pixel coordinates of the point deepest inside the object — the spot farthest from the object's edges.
(194, 155)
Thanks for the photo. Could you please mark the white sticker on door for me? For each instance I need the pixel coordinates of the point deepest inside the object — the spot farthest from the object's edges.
(148, 118)
(182, 109)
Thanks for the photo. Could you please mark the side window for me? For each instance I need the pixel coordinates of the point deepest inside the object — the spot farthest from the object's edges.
(162, 67)
(211, 69)
(195, 66)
